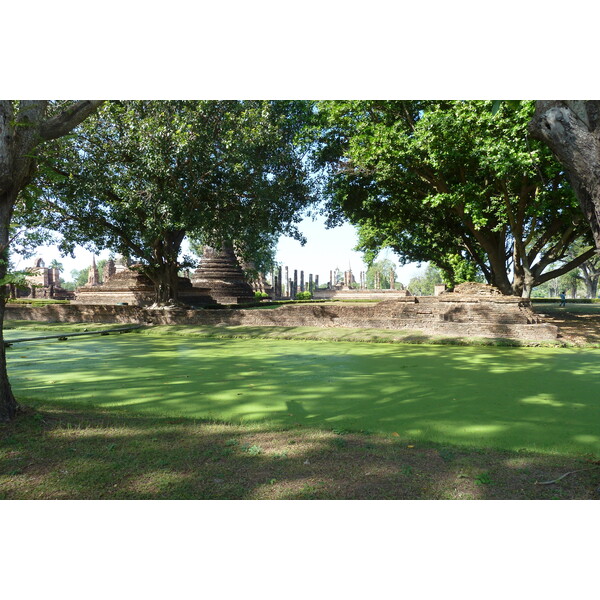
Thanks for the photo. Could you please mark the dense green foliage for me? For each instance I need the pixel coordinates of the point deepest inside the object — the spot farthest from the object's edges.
(141, 175)
(451, 183)
(381, 272)
(304, 296)
(423, 285)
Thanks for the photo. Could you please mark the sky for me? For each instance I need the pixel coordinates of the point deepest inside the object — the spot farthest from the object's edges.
(328, 249)
(324, 251)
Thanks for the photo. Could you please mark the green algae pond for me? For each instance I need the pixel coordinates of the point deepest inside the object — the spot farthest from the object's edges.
(533, 398)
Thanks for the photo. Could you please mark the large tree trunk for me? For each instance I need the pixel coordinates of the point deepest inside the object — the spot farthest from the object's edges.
(23, 127)
(572, 131)
(166, 282)
(165, 275)
(8, 404)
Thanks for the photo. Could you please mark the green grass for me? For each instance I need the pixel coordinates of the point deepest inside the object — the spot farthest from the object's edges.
(59, 452)
(332, 334)
(14, 328)
(572, 307)
(535, 399)
(36, 301)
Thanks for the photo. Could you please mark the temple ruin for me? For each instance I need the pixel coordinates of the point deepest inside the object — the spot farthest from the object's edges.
(221, 273)
(471, 310)
(126, 284)
(41, 282)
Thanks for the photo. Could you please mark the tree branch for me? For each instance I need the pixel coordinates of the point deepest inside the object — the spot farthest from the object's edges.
(565, 268)
(68, 119)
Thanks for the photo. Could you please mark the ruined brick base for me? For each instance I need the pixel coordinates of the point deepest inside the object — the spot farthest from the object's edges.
(449, 314)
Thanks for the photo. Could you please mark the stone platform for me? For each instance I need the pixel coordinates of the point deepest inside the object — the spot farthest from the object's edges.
(451, 314)
(376, 295)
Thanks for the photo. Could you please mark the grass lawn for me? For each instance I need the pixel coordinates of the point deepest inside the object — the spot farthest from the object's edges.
(265, 413)
(553, 309)
(536, 399)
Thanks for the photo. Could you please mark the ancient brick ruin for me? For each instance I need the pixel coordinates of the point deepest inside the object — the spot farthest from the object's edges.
(41, 282)
(126, 284)
(221, 274)
(122, 285)
(472, 310)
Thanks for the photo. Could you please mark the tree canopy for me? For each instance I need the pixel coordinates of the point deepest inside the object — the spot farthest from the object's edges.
(141, 175)
(451, 183)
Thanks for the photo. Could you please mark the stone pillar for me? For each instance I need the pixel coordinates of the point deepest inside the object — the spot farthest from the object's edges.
(279, 282)
(295, 290)
(331, 280)
(438, 289)
(287, 283)
(316, 282)
(301, 281)
(392, 278)
(276, 286)
(54, 278)
(311, 288)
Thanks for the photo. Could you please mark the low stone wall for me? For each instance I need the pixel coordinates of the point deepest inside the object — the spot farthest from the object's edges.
(376, 295)
(457, 316)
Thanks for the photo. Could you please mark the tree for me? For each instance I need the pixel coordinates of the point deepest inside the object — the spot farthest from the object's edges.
(452, 184)
(55, 264)
(571, 129)
(141, 175)
(423, 285)
(380, 271)
(590, 274)
(25, 129)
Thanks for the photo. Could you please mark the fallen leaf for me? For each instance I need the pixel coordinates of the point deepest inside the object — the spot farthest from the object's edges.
(396, 434)
(410, 446)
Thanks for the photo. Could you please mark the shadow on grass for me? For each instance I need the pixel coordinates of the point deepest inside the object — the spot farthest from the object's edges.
(540, 399)
(59, 452)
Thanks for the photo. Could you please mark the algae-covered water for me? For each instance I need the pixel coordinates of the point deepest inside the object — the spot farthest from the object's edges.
(543, 399)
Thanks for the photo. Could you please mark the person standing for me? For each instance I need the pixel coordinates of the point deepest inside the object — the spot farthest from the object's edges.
(563, 298)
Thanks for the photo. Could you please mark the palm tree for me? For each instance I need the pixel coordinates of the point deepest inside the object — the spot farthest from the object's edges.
(57, 265)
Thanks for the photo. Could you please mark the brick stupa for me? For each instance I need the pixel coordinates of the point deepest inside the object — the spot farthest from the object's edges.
(220, 272)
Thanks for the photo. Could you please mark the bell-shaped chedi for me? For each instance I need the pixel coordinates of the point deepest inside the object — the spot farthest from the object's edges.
(220, 272)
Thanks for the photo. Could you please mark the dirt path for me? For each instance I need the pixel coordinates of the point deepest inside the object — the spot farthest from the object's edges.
(579, 329)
